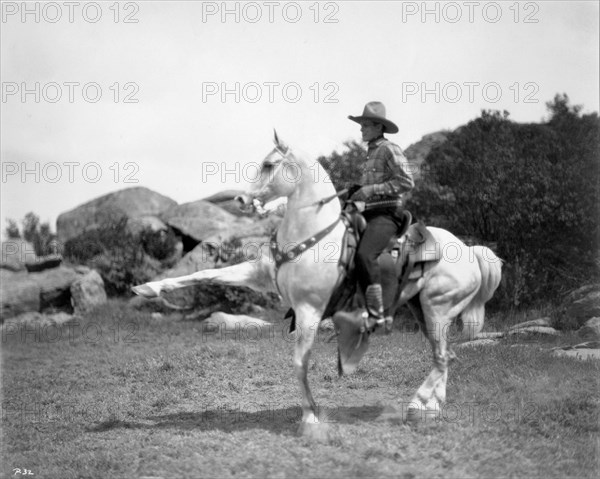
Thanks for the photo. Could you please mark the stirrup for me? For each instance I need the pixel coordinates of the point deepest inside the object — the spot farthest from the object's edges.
(370, 323)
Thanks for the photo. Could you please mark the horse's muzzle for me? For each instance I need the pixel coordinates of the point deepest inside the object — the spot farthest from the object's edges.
(244, 202)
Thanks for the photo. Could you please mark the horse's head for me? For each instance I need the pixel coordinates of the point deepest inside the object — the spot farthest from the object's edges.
(280, 173)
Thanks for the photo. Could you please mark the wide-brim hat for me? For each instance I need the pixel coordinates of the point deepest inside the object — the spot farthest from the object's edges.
(375, 111)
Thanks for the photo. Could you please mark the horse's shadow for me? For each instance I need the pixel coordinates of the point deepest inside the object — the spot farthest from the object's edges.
(280, 421)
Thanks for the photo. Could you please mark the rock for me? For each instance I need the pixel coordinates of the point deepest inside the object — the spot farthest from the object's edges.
(581, 305)
(19, 293)
(582, 354)
(137, 224)
(545, 322)
(124, 204)
(490, 335)
(35, 292)
(591, 329)
(44, 262)
(586, 307)
(200, 258)
(55, 286)
(255, 310)
(221, 196)
(477, 342)
(225, 200)
(246, 325)
(203, 221)
(534, 330)
(60, 318)
(15, 253)
(87, 292)
(586, 345)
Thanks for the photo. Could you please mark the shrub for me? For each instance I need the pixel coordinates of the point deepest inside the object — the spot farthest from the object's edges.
(122, 258)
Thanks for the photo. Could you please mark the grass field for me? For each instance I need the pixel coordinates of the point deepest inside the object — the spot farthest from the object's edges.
(122, 394)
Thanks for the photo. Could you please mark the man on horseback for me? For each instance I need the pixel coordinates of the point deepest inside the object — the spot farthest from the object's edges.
(384, 182)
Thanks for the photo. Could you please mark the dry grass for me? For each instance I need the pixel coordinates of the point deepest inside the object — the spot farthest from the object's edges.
(161, 398)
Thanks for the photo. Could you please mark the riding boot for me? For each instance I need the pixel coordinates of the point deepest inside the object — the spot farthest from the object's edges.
(374, 315)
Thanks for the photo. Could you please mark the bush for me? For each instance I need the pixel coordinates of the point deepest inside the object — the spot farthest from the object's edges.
(122, 258)
(532, 189)
(158, 244)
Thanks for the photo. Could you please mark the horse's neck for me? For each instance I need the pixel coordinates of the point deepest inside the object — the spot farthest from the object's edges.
(304, 216)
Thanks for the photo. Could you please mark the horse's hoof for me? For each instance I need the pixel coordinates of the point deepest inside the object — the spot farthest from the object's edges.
(315, 431)
(145, 291)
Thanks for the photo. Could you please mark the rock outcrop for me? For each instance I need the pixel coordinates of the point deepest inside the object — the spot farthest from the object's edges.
(22, 292)
(136, 202)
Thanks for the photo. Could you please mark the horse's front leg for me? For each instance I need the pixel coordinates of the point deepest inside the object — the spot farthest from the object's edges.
(255, 275)
(307, 322)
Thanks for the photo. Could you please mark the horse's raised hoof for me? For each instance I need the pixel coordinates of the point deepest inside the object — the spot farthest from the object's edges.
(145, 291)
(315, 431)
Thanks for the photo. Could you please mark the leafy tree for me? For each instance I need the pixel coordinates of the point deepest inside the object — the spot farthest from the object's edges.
(12, 229)
(530, 188)
(38, 234)
(344, 169)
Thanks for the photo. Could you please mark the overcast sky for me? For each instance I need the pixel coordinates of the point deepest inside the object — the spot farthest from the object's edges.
(179, 96)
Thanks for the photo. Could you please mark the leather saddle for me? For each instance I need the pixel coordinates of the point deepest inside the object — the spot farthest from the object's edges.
(402, 261)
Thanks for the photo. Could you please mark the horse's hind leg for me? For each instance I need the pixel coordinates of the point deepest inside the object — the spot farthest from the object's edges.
(430, 396)
(438, 311)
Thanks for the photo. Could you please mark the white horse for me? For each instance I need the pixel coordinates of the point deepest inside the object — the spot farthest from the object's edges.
(459, 285)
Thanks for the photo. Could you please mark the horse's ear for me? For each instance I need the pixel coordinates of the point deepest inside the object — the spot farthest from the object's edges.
(280, 144)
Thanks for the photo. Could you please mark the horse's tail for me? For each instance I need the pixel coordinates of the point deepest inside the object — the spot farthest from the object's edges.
(491, 273)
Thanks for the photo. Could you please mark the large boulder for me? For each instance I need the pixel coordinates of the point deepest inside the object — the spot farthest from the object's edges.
(591, 329)
(125, 204)
(55, 286)
(585, 303)
(247, 326)
(201, 257)
(226, 201)
(578, 307)
(87, 292)
(19, 293)
(202, 221)
(49, 290)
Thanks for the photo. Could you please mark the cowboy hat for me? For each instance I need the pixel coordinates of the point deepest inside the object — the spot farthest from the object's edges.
(375, 111)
